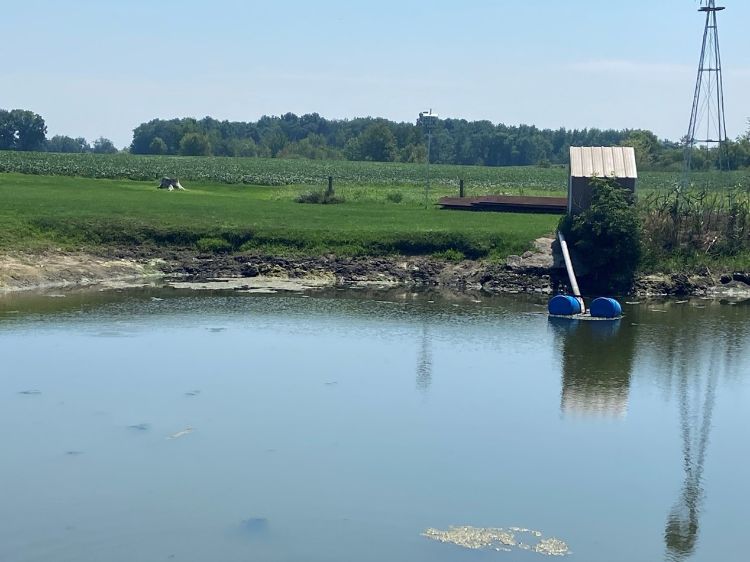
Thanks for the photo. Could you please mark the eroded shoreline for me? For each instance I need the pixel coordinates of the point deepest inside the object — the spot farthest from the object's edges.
(532, 273)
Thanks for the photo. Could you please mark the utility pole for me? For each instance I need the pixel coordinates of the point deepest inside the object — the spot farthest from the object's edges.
(428, 119)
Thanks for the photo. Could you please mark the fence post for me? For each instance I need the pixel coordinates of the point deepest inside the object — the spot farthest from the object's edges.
(461, 188)
(330, 186)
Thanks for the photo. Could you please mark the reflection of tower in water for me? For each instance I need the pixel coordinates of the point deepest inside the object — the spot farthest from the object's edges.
(597, 361)
(696, 389)
(696, 409)
(693, 353)
(424, 360)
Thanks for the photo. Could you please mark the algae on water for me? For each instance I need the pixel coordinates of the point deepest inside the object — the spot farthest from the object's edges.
(506, 540)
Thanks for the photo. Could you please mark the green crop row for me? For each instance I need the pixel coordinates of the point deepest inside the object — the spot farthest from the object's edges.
(278, 172)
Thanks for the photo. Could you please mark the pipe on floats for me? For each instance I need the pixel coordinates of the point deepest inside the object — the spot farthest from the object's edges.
(571, 273)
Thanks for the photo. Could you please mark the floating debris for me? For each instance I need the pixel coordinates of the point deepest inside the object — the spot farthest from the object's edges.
(193, 393)
(74, 453)
(217, 330)
(681, 302)
(156, 299)
(254, 525)
(30, 392)
(633, 303)
(331, 383)
(187, 431)
(552, 547)
(500, 540)
(140, 427)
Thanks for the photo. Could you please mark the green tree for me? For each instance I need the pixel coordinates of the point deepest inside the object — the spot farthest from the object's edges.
(157, 146)
(246, 148)
(274, 140)
(606, 237)
(646, 145)
(103, 146)
(195, 144)
(22, 130)
(378, 144)
(63, 143)
(414, 154)
(7, 131)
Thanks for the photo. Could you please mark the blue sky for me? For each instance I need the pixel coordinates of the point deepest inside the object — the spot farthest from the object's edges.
(101, 67)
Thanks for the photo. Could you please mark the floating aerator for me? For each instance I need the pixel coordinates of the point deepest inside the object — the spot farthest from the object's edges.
(606, 308)
(563, 305)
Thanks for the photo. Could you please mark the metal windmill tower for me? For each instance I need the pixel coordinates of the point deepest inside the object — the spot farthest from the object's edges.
(707, 121)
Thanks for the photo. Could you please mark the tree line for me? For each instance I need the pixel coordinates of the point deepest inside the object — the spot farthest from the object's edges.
(453, 141)
(21, 129)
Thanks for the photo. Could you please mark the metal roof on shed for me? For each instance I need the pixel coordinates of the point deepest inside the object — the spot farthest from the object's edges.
(603, 161)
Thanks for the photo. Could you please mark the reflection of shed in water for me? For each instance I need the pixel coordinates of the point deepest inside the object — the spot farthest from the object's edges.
(597, 362)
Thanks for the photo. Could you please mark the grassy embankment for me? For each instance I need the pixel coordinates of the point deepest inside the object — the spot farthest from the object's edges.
(42, 212)
(248, 203)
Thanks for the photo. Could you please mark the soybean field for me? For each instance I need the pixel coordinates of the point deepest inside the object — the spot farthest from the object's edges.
(480, 180)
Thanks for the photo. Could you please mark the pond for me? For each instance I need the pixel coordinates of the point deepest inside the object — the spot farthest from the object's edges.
(154, 424)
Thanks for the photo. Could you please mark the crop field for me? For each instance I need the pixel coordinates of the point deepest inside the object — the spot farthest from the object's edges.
(480, 180)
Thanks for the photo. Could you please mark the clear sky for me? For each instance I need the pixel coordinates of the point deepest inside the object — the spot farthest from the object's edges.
(101, 67)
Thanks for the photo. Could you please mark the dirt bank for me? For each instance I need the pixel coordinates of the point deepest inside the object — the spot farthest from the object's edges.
(532, 273)
(27, 271)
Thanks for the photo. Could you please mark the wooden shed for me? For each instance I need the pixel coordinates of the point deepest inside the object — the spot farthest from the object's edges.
(587, 162)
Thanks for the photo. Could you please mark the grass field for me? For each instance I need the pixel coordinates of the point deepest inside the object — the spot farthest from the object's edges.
(480, 180)
(89, 201)
(41, 212)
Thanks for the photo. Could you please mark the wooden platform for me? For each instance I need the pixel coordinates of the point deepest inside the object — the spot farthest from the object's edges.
(506, 203)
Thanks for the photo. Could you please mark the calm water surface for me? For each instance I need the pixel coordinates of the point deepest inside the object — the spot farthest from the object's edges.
(340, 426)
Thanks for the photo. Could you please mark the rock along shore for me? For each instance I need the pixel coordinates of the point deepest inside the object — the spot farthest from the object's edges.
(532, 273)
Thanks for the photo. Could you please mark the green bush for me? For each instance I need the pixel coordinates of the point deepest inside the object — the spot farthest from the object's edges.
(606, 238)
(319, 198)
(213, 245)
(449, 255)
(395, 197)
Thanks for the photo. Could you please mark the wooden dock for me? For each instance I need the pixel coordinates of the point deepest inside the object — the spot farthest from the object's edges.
(507, 204)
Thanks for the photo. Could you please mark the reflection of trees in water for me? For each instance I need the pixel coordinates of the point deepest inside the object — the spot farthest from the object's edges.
(691, 349)
(597, 362)
(424, 360)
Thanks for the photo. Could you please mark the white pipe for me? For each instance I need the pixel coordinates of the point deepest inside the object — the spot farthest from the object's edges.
(571, 273)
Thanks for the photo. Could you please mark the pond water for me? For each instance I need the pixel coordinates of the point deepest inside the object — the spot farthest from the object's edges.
(341, 426)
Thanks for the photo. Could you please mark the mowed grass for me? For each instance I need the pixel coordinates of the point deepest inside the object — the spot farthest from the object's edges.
(43, 212)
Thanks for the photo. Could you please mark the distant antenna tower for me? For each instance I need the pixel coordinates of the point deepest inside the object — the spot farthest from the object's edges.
(708, 125)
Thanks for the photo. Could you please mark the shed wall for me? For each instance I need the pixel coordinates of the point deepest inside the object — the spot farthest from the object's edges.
(580, 192)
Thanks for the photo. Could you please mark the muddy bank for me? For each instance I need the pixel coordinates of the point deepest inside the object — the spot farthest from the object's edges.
(48, 270)
(23, 271)
(532, 273)
(336, 271)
